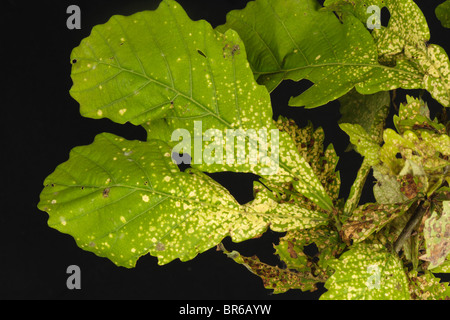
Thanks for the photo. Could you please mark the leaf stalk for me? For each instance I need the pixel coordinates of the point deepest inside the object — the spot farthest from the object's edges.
(412, 223)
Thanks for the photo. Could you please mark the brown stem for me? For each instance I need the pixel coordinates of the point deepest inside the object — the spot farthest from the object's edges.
(394, 95)
(410, 226)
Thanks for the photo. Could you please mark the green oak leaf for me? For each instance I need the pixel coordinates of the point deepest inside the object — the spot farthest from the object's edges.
(297, 40)
(197, 81)
(359, 8)
(370, 112)
(363, 142)
(404, 43)
(123, 199)
(367, 272)
(415, 115)
(309, 143)
(417, 155)
(129, 70)
(437, 237)
(427, 151)
(443, 13)
(356, 190)
(405, 40)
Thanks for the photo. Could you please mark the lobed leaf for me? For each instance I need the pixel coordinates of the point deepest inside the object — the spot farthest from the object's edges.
(415, 159)
(387, 188)
(291, 250)
(443, 13)
(309, 144)
(367, 272)
(273, 277)
(129, 70)
(122, 199)
(297, 40)
(428, 287)
(196, 80)
(404, 44)
(437, 237)
(444, 267)
(415, 115)
(370, 218)
(368, 111)
(363, 142)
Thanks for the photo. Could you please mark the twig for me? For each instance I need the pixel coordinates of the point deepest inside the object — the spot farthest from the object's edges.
(394, 95)
(410, 226)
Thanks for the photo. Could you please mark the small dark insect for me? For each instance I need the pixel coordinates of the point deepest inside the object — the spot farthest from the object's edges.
(201, 53)
(235, 49)
(106, 193)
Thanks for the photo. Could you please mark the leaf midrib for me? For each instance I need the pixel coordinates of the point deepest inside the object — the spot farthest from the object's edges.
(171, 196)
(165, 86)
(342, 64)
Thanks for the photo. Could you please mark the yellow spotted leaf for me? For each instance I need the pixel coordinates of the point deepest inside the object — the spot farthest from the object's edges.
(123, 199)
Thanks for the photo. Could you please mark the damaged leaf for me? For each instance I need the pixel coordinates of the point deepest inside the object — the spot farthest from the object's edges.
(367, 272)
(202, 96)
(273, 277)
(309, 144)
(428, 287)
(291, 250)
(415, 115)
(437, 236)
(370, 218)
(153, 207)
(286, 41)
(387, 188)
(369, 111)
(414, 159)
(179, 92)
(404, 44)
(363, 142)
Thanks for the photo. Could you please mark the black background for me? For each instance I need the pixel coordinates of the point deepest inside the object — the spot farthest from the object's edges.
(41, 124)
